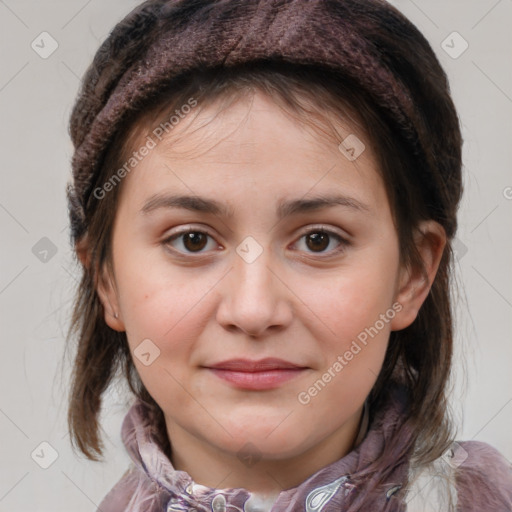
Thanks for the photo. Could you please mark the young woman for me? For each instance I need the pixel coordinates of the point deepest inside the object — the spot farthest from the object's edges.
(263, 202)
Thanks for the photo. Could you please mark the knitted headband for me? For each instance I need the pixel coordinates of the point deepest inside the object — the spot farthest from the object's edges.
(366, 41)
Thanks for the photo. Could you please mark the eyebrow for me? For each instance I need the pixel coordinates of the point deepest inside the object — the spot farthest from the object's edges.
(285, 208)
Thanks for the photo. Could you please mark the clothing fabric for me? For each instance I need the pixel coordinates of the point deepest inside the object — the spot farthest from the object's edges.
(476, 474)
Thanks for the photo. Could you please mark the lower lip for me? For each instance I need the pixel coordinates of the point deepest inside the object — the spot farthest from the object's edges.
(267, 379)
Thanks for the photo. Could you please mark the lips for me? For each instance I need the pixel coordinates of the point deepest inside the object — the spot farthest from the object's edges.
(247, 365)
(258, 375)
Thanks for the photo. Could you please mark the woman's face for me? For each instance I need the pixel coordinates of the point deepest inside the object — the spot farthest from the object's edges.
(266, 327)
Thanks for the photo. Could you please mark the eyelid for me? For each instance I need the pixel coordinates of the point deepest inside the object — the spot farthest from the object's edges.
(326, 229)
(190, 228)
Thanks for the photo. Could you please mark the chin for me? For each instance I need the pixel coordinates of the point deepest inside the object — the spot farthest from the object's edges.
(267, 441)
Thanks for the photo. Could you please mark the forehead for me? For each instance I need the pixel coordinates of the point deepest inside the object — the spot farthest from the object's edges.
(254, 144)
(254, 112)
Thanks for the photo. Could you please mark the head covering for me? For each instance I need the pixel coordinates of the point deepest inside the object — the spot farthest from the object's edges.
(367, 42)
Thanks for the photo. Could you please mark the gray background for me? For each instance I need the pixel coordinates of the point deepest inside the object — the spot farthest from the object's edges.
(38, 274)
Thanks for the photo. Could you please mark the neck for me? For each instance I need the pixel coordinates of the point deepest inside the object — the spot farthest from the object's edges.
(218, 468)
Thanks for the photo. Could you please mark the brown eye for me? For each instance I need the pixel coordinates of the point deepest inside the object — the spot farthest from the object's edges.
(191, 241)
(317, 241)
(194, 241)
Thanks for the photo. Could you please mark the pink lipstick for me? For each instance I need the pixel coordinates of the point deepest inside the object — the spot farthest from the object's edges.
(263, 374)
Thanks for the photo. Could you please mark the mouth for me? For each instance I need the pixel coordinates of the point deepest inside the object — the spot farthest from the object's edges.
(263, 374)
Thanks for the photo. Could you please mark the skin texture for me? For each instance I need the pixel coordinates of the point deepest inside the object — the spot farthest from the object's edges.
(297, 301)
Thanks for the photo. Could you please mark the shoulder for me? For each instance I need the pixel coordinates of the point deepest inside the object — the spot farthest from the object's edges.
(119, 496)
(483, 477)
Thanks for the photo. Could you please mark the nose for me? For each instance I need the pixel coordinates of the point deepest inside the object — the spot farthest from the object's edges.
(255, 298)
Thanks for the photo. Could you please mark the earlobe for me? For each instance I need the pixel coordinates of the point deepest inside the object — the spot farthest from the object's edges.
(414, 284)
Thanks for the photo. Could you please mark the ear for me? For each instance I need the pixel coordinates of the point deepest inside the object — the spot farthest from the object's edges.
(413, 285)
(82, 251)
(105, 288)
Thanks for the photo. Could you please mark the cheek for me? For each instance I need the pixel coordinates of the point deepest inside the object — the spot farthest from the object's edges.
(162, 304)
(353, 311)
(170, 312)
(347, 303)
(356, 313)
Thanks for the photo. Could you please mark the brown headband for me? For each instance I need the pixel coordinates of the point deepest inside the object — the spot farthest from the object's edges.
(365, 41)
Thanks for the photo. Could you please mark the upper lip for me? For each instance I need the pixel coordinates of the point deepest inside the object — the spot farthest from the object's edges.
(248, 365)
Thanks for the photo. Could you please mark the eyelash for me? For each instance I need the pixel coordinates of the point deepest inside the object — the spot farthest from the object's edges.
(343, 242)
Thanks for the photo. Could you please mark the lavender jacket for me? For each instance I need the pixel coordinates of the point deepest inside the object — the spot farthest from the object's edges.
(473, 475)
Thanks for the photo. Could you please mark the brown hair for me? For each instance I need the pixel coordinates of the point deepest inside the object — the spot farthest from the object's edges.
(421, 172)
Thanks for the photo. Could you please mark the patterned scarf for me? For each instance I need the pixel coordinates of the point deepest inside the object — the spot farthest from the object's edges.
(153, 485)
